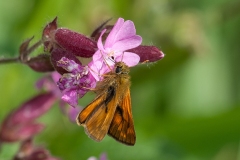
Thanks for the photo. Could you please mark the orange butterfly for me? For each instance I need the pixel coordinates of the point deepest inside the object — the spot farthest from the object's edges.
(110, 112)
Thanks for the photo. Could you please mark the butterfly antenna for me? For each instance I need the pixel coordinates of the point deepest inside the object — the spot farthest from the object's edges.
(122, 56)
(106, 61)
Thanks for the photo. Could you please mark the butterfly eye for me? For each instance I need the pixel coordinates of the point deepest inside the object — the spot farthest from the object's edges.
(118, 69)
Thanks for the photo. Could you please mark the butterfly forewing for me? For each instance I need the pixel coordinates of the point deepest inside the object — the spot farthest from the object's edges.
(97, 116)
(87, 112)
(98, 124)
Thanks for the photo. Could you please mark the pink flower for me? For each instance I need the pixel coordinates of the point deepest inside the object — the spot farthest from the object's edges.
(121, 38)
(76, 83)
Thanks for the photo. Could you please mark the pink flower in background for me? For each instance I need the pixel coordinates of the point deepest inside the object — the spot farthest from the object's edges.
(48, 83)
(28, 151)
(20, 124)
(73, 112)
(121, 38)
(103, 156)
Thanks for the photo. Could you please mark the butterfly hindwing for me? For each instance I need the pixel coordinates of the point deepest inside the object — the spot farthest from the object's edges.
(122, 128)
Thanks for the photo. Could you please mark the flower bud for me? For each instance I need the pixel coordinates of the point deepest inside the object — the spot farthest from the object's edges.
(28, 151)
(49, 28)
(97, 32)
(75, 43)
(148, 53)
(41, 63)
(48, 35)
(20, 125)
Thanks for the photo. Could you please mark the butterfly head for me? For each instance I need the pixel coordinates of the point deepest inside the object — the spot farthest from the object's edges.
(121, 68)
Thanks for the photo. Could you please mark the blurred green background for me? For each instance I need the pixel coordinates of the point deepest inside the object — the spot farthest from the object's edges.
(186, 106)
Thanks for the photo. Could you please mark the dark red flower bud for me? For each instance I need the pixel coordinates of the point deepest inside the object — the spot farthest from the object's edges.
(148, 53)
(73, 42)
(97, 32)
(57, 54)
(28, 151)
(41, 63)
(20, 125)
(76, 43)
(34, 108)
(49, 28)
(105, 35)
(40, 154)
(48, 35)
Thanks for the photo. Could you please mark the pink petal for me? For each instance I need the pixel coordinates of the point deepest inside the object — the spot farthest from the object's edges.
(94, 70)
(40, 83)
(127, 30)
(55, 76)
(99, 43)
(112, 35)
(105, 69)
(73, 112)
(97, 57)
(57, 54)
(126, 44)
(70, 97)
(63, 106)
(98, 72)
(130, 59)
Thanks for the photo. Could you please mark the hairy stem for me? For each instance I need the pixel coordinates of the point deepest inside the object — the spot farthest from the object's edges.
(9, 60)
(0, 146)
(24, 55)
